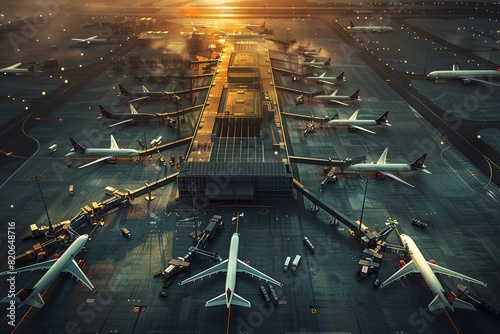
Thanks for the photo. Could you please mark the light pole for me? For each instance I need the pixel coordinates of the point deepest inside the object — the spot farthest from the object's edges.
(37, 178)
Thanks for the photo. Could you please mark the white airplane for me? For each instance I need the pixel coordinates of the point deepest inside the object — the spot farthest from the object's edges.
(428, 269)
(315, 64)
(91, 40)
(334, 98)
(147, 95)
(354, 123)
(14, 69)
(327, 80)
(106, 153)
(250, 25)
(311, 52)
(467, 76)
(65, 264)
(382, 167)
(370, 28)
(231, 267)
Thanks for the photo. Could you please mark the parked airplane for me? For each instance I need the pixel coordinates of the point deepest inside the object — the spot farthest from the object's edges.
(131, 117)
(428, 269)
(64, 264)
(467, 76)
(328, 80)
(147, 95)
(91, 40)
(353, 123)
(370, 28)
(315, 64)
(14, 69)
(250, 25)
(382, 167)
(231, 267)
(106, 153)
(311, 52)
(334, 98)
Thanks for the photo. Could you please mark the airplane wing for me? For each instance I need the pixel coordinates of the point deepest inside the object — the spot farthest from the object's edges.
(83, 39)
(383, 157)
(11, 67)
(392, 176)
(36, 266)
(339, 102)
(444, 271)
(242, 267)
(144, 89)
(363, 129)
(119, 123)
(218, 268)
(139, 99)
(409, 268)
(72, 268)
(114, 144)
(96, 161)
(327, 82)
(133, 110)
(484, 81)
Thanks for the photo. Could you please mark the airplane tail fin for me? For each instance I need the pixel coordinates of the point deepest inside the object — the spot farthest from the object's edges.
(328, 61)
(123, 90)
(419, 163)
(319, 50)
(219, 300)
(383, 118)
(104, 112)
(352, 24)
(459, 303)
(455, 67)
(263, 24)
(437, 303)
(355, 96)
(341, 77)
(31, 68)
(76, 146)
(26, 296)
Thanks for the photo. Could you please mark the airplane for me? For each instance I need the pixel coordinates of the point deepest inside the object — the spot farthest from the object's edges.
(147, 95)
(370, 28)
(354, 123)
(106, 153)
(231, 267)
(91, 40)
(64, 264)
(382, 167)
(250, 25)
(314, 64)
(428, 269)
(467, 76)
(311, 52)
(327, 80)
(334, 98)
(131, 117)
(14, 69)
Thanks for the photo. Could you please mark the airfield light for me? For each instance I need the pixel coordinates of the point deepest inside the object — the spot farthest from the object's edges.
(12, 206)
(66, 81)
(62, 68)
(26, 108)
(478, 136)
(43, 93)
(81, 54)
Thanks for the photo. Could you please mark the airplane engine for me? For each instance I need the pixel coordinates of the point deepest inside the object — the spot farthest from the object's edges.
(112, 160)
(432, 261)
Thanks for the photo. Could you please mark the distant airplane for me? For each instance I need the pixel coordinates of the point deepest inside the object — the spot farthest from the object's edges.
(64, 264)
(106, 153)
(147, 95)
(327, 80)
(334, 98)
(311, 52)
(132, 117)
(250, 25)
(467, 76)
(315, 64)
(382, 167)
(354, 123)
(231, 267)
(428, 269)
(91, 40)
(370, 28)
(14, 69)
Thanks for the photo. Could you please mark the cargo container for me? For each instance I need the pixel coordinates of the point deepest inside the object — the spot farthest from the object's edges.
(52, 148)
(126, 233)
(296, 262)
(287, 263)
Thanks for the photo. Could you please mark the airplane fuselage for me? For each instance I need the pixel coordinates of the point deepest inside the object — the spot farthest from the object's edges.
(102, 152)
(333, 97)
(139, 116)
(231, 268)
(371, 28)
(424, 268)
(463, 74)
(373, 167)
(347, 122)
(58, 266)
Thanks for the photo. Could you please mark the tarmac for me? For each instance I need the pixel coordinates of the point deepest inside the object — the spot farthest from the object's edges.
(457, 200)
